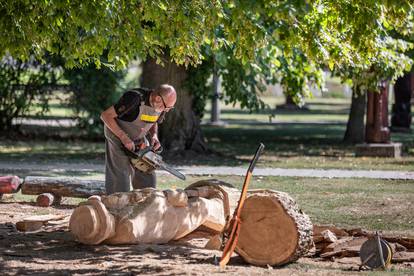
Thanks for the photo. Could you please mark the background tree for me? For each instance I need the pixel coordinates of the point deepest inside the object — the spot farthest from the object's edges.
(21, 85)
(93, 90)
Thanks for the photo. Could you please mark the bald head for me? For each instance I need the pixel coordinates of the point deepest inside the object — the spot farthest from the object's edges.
(165, 96)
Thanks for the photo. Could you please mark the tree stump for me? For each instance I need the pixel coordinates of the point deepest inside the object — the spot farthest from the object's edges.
(274, 231)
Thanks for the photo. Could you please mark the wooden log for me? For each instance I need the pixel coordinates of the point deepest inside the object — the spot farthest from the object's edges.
(274, 231)
(9, 184)
(47, 199)
(68, 187)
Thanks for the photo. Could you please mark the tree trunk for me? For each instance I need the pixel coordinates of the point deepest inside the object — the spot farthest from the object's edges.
(401, 109)
(355, 129)
(181, 129)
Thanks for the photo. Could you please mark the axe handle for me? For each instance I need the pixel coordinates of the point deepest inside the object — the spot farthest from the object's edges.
(235, 221)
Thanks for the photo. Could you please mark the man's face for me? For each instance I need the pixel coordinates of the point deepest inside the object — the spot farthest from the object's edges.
(164, 103)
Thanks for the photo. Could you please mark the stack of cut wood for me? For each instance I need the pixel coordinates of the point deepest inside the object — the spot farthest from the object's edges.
(332, 242)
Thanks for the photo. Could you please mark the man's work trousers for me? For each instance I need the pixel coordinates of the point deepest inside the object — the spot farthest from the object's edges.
(119, 173)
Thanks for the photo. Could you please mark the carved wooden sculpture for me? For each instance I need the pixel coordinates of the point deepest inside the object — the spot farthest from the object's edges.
(273, 230)
(152, 216)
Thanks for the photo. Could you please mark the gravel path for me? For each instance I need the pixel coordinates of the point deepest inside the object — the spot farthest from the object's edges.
(16, 167)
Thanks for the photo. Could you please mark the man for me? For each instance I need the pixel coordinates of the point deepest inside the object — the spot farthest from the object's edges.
(133, 122)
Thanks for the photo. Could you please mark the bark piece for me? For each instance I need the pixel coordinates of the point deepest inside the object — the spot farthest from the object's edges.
(318, 229)
(329, 236)
(400, 257)
(274, 231)
(344, 247)
(35, 223)
(70, 187)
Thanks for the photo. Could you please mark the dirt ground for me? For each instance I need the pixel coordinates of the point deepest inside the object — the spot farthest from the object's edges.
(53, 251)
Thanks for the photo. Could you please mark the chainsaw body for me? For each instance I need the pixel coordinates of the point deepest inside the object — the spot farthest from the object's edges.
(147, 161)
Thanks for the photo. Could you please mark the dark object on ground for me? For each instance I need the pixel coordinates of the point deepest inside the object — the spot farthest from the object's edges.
(375, 253)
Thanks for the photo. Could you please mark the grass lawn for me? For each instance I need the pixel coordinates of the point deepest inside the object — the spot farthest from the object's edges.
(368, 203)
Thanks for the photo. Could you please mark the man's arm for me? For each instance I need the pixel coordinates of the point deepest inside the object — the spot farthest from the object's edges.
(108, 117)
(153, 134)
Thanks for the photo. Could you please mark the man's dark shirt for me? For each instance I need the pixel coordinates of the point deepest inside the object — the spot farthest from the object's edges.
(127, 107)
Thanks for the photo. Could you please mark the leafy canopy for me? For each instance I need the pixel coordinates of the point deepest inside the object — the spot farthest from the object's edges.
(287, 41)
(332, 31)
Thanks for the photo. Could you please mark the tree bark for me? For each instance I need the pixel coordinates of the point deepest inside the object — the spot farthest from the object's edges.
(181, 129)
(401, 109)
(355, 129)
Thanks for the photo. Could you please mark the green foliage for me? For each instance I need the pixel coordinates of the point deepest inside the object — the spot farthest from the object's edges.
(21, 84)
(94, 90)
(252, 40)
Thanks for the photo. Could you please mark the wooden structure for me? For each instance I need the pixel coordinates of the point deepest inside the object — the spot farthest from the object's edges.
(377, 134)
(377, 130)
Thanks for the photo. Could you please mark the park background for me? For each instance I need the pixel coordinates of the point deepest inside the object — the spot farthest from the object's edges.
(321, 58)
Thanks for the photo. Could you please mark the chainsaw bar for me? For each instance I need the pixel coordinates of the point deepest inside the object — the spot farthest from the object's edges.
(172, 171)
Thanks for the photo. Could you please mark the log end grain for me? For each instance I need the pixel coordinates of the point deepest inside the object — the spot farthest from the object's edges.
(273, 230)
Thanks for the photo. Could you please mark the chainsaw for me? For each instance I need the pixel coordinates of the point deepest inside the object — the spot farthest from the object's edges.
(147, 160)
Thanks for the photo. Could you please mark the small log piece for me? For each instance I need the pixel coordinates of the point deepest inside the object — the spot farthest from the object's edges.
(274, 231)
(47, 199)
(68, 187)
(35, 223)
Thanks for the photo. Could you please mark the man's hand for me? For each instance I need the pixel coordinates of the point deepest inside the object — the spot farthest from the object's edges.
(155, 143)
(128, 143)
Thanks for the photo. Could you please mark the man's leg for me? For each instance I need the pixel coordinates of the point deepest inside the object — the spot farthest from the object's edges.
(142, 180)
(117, 165)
